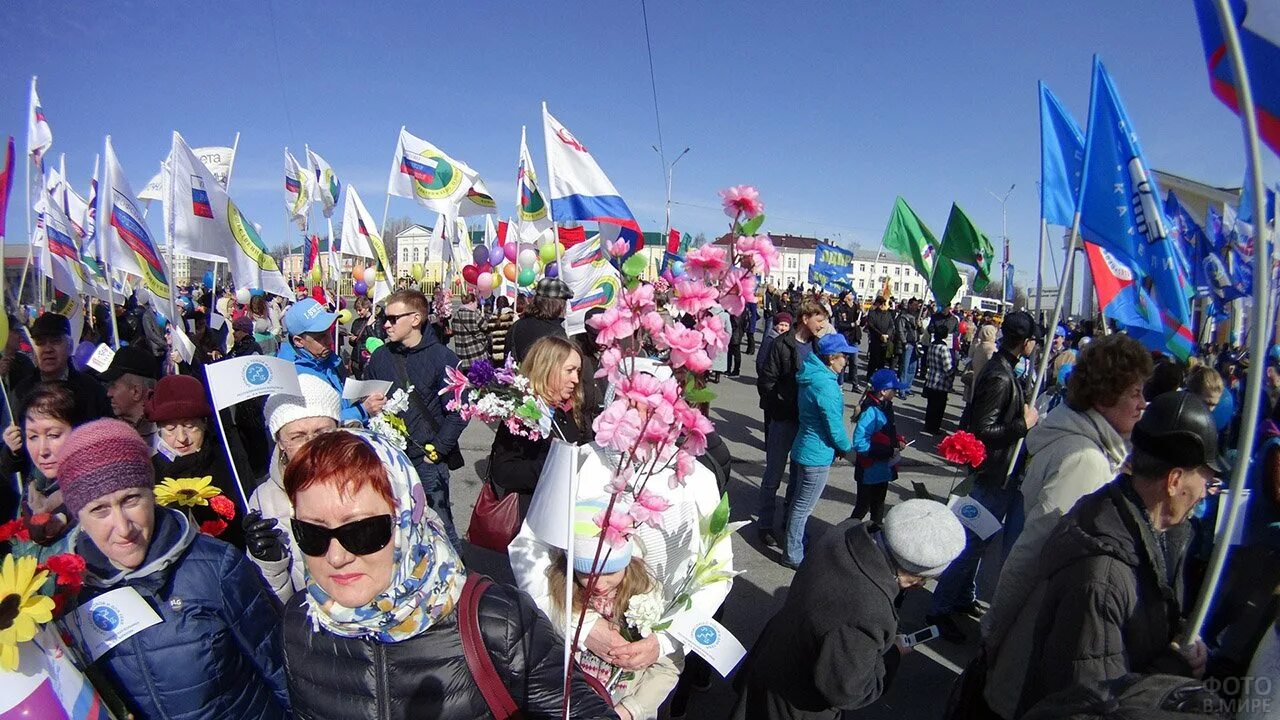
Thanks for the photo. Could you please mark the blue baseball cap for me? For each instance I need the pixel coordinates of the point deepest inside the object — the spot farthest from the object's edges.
(886, 379)
(833, 343)
(307, 316)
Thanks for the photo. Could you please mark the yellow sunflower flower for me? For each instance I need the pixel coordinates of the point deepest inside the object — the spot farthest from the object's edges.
(186, 492)
(22, 608)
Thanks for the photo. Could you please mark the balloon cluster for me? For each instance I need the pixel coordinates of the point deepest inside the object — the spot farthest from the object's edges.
(364, 279)
(518, 263)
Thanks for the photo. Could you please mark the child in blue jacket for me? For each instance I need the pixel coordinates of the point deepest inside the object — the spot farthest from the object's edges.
(878, 444)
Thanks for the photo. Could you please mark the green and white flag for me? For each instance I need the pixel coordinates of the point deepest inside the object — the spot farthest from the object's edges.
(963, 242)
(298, 187)
(908, 237)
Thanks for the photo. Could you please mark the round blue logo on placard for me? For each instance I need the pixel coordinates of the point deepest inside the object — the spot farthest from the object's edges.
(969, 511)
(706, 635)
(106, 618)
(257, 373)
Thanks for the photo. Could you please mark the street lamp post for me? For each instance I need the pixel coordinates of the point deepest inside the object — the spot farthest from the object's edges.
(1004, 237)
(670, 171)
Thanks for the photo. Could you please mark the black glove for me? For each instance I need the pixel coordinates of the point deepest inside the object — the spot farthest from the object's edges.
(262, 537)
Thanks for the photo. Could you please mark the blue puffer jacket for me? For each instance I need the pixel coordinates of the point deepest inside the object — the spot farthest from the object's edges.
(327, 370)
(821, 403)
(216, 654)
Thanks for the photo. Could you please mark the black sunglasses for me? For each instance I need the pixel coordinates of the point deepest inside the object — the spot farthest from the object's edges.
(362, 537)
(393, 319)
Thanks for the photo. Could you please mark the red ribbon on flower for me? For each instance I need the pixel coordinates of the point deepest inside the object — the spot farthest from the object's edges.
(963, 448)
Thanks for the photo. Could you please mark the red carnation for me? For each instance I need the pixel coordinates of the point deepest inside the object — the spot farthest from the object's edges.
(15, 529)
(68, 568)
(224, 507)
(213, 527)
(963, 448)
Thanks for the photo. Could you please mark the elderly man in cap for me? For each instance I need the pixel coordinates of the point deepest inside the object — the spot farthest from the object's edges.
(544, 316)
(51, 334)
(310, 348)
(130, 379)
(1111, 588)
(835, 644)
(1000, 416)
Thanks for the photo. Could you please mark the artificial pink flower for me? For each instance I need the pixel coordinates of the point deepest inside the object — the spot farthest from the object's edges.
(687, 349)
(455, 382)
(618, 427)
(648, 508)
(739, 288)
(694, 297)
(653, 323)
(614, 324)
(618, 248)
(609, 360)
(695, 425)
(714, 332)
(617, 527)
(619, 481)
(684, 467)
(705, 263)
(640, 300)
(757, 253)
(642, 389)
(741, 200)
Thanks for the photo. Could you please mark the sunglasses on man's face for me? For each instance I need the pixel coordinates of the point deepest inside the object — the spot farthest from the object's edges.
(393, 319)
(361, 537)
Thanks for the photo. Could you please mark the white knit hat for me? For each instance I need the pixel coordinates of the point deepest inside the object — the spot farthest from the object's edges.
(319, 399)
(923, 536)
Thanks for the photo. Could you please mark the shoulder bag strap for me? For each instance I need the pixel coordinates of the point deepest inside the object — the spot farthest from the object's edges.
(496, 695)
(414, 397)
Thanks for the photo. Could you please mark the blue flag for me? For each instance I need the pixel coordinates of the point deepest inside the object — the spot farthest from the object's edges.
(1008, 283)
(1193, 244)
(1225, 267)
(838, 260)
(1120, 211)
(1061, 160)
(1258, 25)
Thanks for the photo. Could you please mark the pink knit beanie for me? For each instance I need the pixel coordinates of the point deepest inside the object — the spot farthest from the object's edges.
(102, 457)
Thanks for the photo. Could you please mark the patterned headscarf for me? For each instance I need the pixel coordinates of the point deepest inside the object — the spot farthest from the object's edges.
(428, 576)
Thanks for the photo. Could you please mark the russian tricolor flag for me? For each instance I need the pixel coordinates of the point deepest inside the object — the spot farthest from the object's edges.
(200, 206)
(423, 172)
(579, 189)
(1258, 25)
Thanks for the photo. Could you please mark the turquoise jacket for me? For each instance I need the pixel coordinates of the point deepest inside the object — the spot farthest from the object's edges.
(821, 426)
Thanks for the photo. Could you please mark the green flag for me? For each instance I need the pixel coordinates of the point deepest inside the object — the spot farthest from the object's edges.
(963, 242)
(910, 238)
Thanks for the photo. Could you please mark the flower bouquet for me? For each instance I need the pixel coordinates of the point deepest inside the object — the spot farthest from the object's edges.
(203, 502)
(498, 396)
(388, 424)
(962, 448)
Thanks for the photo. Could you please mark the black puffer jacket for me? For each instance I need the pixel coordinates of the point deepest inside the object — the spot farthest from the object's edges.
(777, 381)
(1113, 596)
(995, 416)
(334, 678)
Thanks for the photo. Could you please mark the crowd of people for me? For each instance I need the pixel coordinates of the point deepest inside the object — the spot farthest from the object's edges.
(308, 567)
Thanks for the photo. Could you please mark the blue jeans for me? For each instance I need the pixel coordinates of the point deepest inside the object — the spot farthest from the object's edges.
(802, 497)
(958, 586)
(435, 483)
(907, 365)
(777, 450)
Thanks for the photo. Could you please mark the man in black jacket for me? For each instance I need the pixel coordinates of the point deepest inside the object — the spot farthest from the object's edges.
(846, 316)
(1112, 575)
(779, 398)
(412, 357)
(879, 335)
(907, 329)
(51, 334)
(1000, 416)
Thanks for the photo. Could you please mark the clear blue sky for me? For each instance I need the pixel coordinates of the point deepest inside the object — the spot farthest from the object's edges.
(831, 109)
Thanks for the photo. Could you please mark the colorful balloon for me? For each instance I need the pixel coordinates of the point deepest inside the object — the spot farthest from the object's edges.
(510, 250)
(484, 267)
(359, 288)
(551, 270)
(317, 293)
(417, 271)
(345, 317)
(496, 255)
(547, 253)
(315, 274)
(370, 276)
(479, 254)
(243, 296)
(526, 277)
(470, 273)
(528, 258)
(509, 272)
(484, 281)
(373, 343)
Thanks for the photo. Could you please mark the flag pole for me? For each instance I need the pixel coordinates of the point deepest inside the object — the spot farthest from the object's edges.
(235, 472)
(166, 179)
(1044, 241)
(386, 205)
(235, 145)
(1258, 343)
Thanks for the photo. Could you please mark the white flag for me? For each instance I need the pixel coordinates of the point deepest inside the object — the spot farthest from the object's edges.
(711, 640)
(423, 172)
(477, 201)
(360, 237)
(126, 241)
(439, 246)
(532, 218)
(215, 157)
(39, 134)
(244, 378)
(974, 516)
(208, 225)
(297, 190)
(594, 281)
(324, 182)
(62, 253)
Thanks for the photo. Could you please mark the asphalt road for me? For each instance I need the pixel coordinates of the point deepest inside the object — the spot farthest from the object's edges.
(924, 678)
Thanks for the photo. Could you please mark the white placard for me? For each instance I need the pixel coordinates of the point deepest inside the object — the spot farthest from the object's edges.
(354, 389)
(1224, 504)
(243, 378)
(101, 358)
(216, 321)
(975, 516)
(711, 640)
(110, 619)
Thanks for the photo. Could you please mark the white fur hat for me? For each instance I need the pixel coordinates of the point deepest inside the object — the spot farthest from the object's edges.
(318, 399)
(923, 536)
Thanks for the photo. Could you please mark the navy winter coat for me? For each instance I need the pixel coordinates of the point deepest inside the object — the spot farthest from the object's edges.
(217, 653)
(424, 365)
